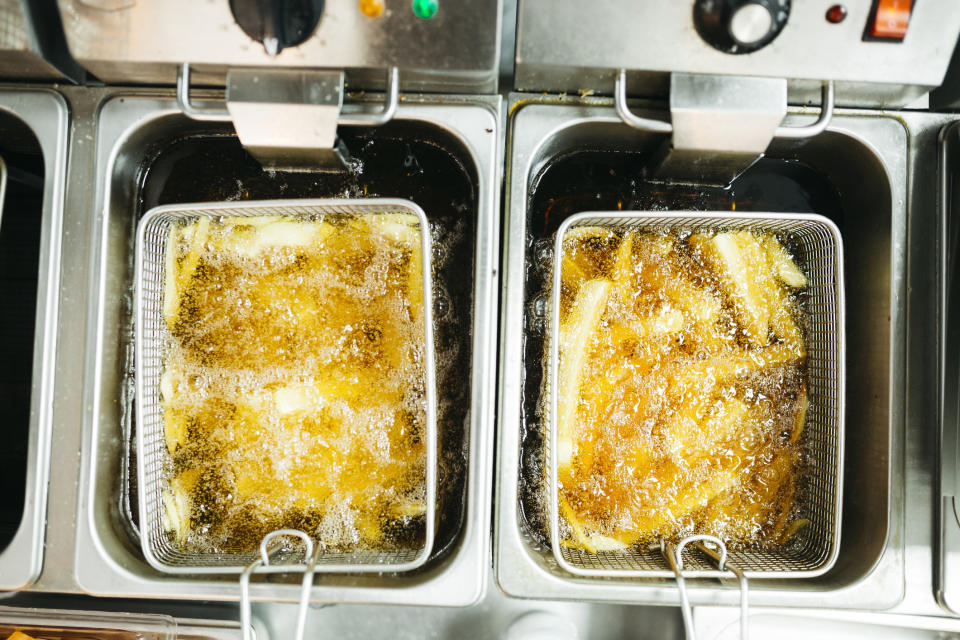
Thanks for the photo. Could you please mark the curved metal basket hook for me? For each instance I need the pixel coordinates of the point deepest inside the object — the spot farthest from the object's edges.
(352, 117)
(659, 126)
(717, 553)
(263, 565)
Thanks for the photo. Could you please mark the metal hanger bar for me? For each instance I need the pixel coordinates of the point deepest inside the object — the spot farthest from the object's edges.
(262, 565)
(210, 114)
(718, 553)
(350, 118)
(386, 113)
(659, 126)
(822, 122)
(628, 116)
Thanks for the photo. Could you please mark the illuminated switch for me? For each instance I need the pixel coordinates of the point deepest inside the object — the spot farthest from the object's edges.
(891, 19)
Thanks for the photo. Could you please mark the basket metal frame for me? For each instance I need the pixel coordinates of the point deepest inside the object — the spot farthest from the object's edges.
(151, 448)
(622, 564)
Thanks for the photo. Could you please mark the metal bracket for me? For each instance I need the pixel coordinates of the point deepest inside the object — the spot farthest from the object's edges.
(385, 114)
(286, 118)
(206, 114)
(649, 125)
(720, 125)
(652, 125)
(822, 121)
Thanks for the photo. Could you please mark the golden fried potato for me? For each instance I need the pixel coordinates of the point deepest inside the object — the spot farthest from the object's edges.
(681, 400)
(293, 392)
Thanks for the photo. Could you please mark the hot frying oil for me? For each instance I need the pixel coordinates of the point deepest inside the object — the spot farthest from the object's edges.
(293, 391)
(677, 418)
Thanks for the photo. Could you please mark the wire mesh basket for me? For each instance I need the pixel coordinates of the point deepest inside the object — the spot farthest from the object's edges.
(819, 248)
(152, 338)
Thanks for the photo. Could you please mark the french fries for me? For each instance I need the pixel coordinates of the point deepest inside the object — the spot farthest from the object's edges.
(681, 397)
(292, 389)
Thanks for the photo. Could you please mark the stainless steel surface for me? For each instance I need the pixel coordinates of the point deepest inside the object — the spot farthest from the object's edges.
(725, 113)
(490, 618)
(26, 49)
(279, 88)
(572, 47)
(104, 560)
(76, 241)
(948, 574)
(152, 337)
(818, 239)
(827, 98)
(864, 156)
(721, 125)
(287, 119)
(717, 623)
(902, 578)
(45, 115)
(456, 51)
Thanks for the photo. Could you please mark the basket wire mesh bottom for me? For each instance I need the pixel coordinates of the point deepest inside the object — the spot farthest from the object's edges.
(820, 253)
(151, 336)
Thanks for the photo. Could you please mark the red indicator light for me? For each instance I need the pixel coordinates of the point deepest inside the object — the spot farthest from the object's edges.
(836, 14)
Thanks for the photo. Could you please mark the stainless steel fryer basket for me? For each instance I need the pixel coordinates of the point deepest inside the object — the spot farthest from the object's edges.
(820, 251)
(151, 339)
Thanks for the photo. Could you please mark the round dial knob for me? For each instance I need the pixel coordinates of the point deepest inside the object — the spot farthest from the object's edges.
(277, 24)
(740, 26)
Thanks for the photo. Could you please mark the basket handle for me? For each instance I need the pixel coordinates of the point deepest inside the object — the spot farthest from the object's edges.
(717, 553)
(263, 565)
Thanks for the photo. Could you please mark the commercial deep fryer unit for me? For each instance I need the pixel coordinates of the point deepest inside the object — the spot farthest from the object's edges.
(728, 141)
(783, 106)
(298, 100)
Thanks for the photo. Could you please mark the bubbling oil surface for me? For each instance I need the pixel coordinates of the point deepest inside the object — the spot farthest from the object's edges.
(680, 422)
(293, 391)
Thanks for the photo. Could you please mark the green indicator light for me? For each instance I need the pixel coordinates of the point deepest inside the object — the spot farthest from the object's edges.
(425, 9)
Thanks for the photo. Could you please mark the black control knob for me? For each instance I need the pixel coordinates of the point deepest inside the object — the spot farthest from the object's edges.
(740, 26)
(277, 24)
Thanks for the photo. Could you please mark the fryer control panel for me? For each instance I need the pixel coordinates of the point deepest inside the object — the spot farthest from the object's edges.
(878, 52)
(438, 45)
